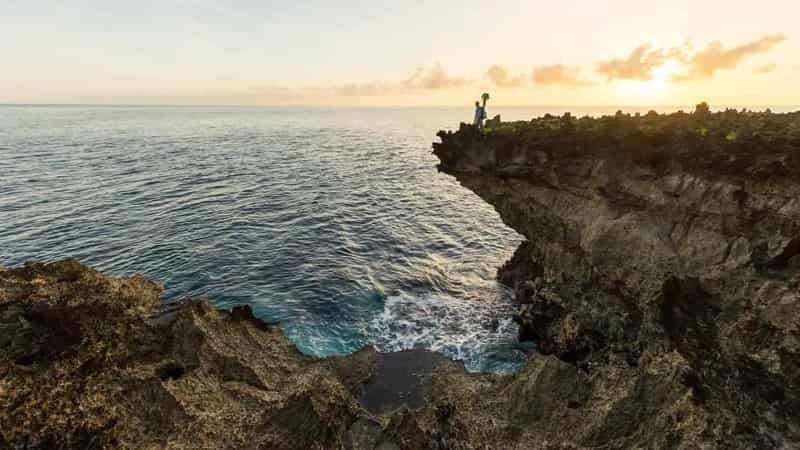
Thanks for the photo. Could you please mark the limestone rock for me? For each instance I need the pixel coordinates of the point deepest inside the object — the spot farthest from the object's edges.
(660, 265)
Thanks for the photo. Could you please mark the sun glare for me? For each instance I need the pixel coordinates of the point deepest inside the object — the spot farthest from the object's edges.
(655, 88)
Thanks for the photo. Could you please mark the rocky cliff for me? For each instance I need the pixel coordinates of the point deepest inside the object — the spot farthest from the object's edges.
(662, 260)
(659, 280)
(89, 362)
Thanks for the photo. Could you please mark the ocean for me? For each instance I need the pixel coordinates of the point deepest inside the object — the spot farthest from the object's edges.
(333, 221)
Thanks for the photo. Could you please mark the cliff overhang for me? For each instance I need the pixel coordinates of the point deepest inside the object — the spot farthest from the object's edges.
(656, 243)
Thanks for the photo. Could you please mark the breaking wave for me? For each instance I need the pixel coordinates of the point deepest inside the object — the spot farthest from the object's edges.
(481, 334)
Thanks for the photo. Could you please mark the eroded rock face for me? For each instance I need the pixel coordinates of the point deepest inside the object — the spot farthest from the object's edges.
(672, 287)
(89, 362)
(95, 362)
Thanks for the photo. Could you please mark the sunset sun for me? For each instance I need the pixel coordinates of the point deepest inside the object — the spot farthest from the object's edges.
(663, 73)
(656, 88)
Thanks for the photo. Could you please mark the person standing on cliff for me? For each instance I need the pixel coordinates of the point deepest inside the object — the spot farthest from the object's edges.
(479, 116)
(480, 112)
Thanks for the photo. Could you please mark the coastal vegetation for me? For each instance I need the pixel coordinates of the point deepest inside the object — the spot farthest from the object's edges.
(700, 126)
(726, 140)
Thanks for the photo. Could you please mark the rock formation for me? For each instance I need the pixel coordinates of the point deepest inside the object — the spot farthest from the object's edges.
(659, 280)
(89, 362)
(662, 261)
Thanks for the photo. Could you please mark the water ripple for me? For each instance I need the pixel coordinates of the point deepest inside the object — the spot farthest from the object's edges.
(333, 221)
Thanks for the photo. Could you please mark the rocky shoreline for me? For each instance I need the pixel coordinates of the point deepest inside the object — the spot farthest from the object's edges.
(89, 361)
(659, 280)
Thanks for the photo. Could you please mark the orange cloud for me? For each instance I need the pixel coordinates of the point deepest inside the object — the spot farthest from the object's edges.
(706, 63)
(501, 77)
(638, 65)
(557, 74)
(699, 65)
(424, 78)
(433, 77)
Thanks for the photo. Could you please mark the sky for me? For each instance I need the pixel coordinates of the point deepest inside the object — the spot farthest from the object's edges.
(400, 52)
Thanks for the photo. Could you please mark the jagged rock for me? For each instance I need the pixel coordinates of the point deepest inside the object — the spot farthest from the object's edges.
(89, 361)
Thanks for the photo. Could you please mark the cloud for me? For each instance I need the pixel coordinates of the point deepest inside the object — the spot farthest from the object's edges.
(714, 57)
(501, 77)
(767, 68)
(699, 65)
(638, 65)
(424, 78)
(557, 74)
(432, 78)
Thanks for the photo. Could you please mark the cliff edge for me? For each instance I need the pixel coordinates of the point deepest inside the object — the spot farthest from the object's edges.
(662, 259)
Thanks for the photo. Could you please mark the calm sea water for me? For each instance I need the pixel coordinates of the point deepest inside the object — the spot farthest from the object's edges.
(333, 221)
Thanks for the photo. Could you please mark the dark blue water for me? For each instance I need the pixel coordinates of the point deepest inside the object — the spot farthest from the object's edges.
(333, 221)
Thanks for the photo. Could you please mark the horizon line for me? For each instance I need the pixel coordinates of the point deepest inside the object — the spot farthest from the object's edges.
(320, 106)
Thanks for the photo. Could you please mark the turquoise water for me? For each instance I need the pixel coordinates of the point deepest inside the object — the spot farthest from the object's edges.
(333, 221)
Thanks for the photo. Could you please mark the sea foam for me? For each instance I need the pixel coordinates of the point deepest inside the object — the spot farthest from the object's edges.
(481, 334)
